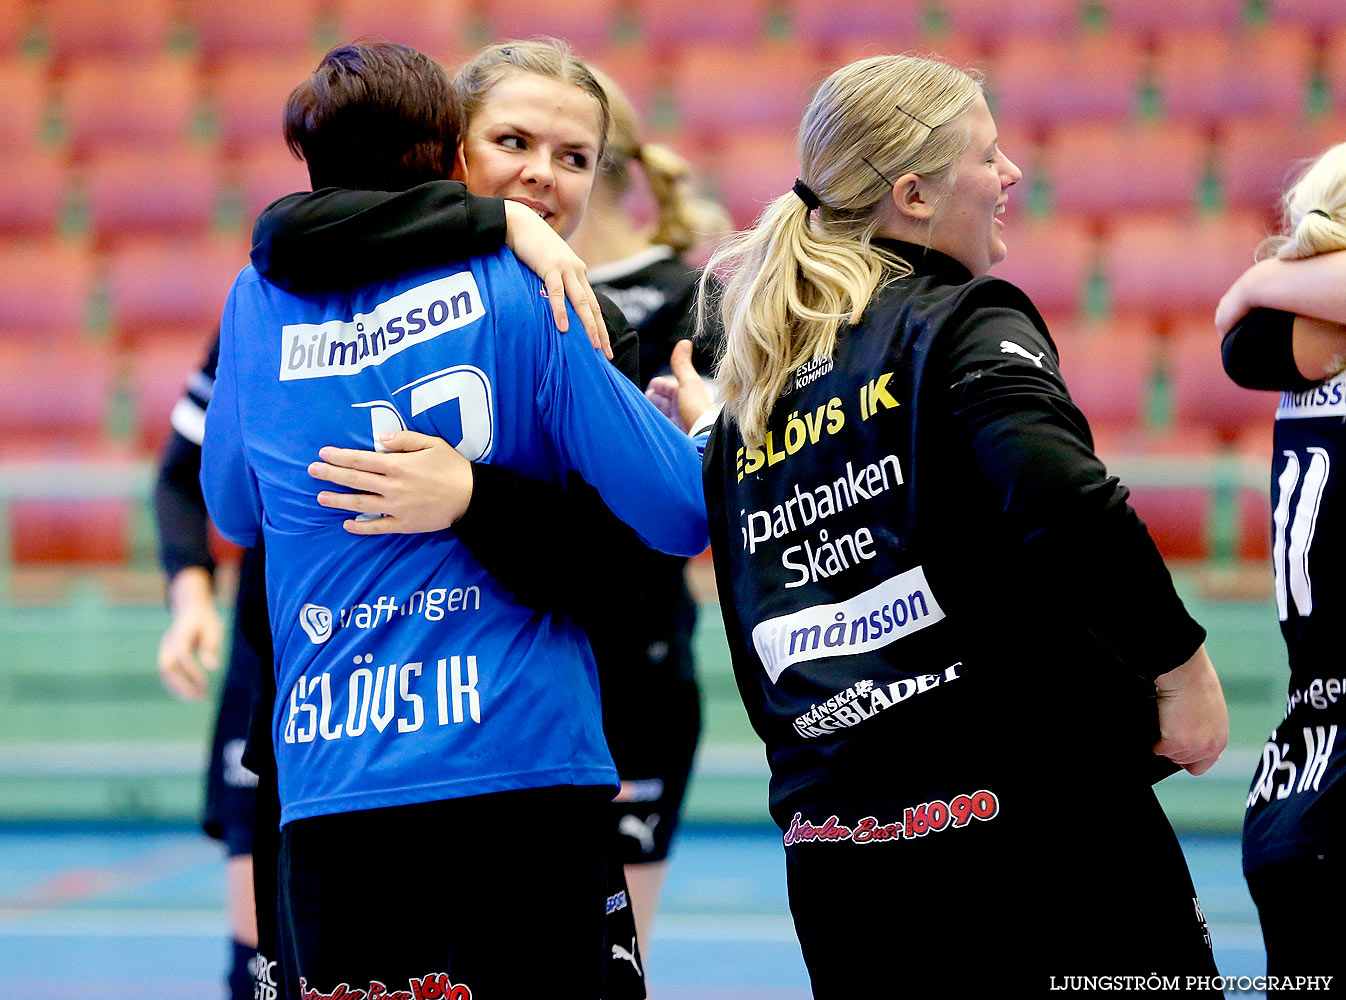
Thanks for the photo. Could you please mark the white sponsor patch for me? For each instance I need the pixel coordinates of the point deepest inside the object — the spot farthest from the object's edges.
(1326, 399)
(346, 347)
(316, 620)
(895, 608)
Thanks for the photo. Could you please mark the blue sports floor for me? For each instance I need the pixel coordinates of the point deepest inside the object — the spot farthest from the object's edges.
(137, 913)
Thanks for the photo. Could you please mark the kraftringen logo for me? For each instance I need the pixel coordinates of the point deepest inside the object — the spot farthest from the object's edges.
(317, 622)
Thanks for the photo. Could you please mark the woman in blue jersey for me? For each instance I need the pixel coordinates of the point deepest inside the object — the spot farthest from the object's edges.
(421, 745)
(641, 632)
(1282, 330)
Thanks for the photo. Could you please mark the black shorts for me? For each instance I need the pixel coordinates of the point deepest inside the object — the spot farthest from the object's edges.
(230, 786)
(493, 896)
(1299, 904)
(655, 773)
(951, 890)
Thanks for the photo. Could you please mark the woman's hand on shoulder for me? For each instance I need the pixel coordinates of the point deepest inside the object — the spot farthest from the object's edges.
(419, 484)
(1193, 718)
(563, 273)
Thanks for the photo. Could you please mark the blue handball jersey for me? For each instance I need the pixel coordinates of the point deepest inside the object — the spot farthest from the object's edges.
(404, 673)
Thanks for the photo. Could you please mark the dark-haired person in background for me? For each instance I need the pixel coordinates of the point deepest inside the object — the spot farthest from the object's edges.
(416, 761)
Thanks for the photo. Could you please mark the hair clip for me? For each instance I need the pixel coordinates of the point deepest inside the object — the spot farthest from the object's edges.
(882, 176)
(914, 118)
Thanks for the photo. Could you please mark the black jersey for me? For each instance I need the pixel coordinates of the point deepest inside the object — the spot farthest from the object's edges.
(656, 291)
(1295, 802)
(925, 541)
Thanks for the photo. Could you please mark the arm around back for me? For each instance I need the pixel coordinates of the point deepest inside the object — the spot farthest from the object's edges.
(646, 471)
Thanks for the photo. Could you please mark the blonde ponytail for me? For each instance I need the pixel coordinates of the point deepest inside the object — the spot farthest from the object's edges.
(681, 217)
(792, 281)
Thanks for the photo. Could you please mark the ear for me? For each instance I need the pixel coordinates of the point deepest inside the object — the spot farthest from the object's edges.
(914, 197)
(459, 164)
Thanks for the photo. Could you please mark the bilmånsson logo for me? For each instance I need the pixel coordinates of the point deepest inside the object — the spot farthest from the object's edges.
(346, 347)
(317, 622)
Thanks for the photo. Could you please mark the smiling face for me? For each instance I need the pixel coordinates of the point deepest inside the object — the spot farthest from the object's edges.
(965, 224)
(536, 141)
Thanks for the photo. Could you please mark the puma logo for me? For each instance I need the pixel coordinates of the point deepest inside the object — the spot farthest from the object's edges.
(1010, 347)
(618, 952)
(631, 826)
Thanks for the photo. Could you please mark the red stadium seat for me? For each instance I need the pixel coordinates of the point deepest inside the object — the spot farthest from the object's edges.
(44, 291)
(275, 26)
(1312, 14)
(1110, 375)
(248, 95)
(24, 107)
(664, 25)
(172, 285)
(714, 94)
(1050, 260)
(1098, 169)
(133, 191)
(79, 532)
(56, 396)
(436, 27)
(266, 174)
(1258, 157)
(1334, 68)
(994, 19)
(1044, 81)
(1209, 75)
(116, 102)
(34, 193)
(1163, 265)
(585, 24)
(955, 49)
(14, 23)
(1254, 451)
(160, 369)
(880, 22)
(754, 169)
(127, 28)
(1162, 16)
(1177, 517)
(1203, 394)
(643, 79)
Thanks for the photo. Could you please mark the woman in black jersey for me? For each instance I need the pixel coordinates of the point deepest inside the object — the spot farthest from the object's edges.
(1281, 322)
(191, 645)
(955, 637)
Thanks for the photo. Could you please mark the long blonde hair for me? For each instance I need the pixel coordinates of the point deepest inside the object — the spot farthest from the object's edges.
(1314, 210)
(681, 216)
(794, 282)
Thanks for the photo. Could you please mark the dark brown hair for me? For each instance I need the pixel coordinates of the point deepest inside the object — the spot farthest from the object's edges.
(374, 116)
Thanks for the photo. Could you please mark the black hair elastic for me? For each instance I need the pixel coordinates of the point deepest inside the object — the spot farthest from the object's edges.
(806, 195)
(1319, 211)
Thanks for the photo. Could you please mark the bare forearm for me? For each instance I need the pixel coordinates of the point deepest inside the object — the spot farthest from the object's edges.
(1314, 287)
